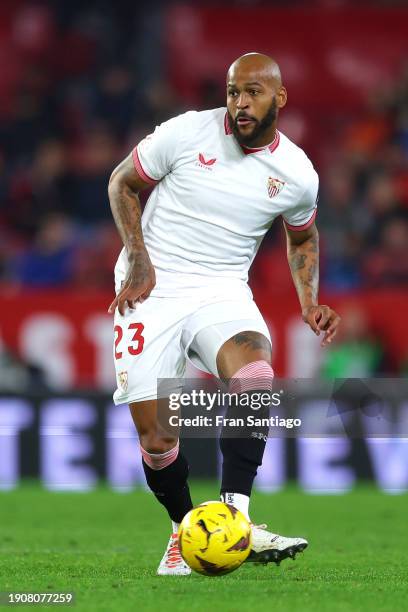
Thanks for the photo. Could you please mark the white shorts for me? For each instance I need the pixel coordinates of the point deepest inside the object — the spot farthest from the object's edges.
(156, 338)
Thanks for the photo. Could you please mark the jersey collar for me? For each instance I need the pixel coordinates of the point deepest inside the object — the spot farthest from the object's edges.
(247, 150)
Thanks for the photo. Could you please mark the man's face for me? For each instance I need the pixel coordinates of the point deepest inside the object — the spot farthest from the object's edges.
(249, 130)
(252, 107)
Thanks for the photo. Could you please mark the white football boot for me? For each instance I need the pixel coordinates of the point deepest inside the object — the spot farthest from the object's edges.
(173, 563)
(270, 547)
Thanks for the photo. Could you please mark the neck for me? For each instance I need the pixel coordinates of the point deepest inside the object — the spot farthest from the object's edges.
(264, 144)
(263, 140)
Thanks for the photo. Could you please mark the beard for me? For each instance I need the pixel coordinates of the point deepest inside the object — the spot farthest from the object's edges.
(260, 127)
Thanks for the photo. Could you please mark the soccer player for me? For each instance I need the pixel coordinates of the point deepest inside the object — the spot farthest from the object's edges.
(221, 177)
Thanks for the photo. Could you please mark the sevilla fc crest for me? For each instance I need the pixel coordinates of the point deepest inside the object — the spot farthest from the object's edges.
(275, 186)
(123, 381)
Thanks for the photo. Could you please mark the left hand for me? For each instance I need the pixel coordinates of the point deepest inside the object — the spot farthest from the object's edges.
(322, 318)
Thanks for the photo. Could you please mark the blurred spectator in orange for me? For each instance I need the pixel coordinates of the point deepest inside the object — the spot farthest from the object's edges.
(370, 132)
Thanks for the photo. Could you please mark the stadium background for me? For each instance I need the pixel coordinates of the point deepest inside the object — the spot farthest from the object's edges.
(79, 86)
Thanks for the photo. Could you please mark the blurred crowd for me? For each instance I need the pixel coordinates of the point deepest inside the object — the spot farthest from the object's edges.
(81, 86)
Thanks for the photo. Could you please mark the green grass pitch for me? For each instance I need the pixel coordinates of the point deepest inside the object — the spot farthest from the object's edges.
(105, 547)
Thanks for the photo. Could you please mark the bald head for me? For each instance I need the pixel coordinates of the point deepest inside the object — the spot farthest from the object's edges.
(256, 64)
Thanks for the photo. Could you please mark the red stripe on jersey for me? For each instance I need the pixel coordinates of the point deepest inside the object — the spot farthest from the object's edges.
(139, 168)
(249, 150)
(275, 143)
(299, 228)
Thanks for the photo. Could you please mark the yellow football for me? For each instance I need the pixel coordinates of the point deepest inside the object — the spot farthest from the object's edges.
(214, 538)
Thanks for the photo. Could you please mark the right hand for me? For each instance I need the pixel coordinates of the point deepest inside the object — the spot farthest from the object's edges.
(137, 285)
(322, 318)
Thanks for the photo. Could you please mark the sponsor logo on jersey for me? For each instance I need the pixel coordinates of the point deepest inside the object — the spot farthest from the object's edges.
(205, 163)
(123, 380)
(275, 186)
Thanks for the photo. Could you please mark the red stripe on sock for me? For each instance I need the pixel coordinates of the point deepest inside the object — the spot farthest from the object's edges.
(255, 376)
(159, 461)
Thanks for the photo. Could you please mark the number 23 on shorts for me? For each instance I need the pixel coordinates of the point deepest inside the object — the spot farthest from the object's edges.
(135, 347)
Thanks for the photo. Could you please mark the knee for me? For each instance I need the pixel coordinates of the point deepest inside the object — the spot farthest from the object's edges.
(152, 442)
(243, 348)
(159, 453)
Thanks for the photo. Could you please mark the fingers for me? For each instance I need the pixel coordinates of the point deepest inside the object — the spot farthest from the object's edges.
(324, 318)
(311, 318)
(112, 307)
(319, 318)
(335, 321)
(332, 329)
(118, 302)
(313, 324)
(128, 298)
(123, 300)
(327, 338)
(145, 295)
(121, 304)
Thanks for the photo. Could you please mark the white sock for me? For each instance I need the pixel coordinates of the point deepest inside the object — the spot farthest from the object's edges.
(175, 526)
(239, 501)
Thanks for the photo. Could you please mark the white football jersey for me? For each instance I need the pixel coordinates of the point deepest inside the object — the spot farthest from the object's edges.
(214, 200)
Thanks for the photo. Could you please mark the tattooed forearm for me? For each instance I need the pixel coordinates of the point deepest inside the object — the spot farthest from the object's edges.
(124, 186)
(297, 262)
(125, 205)
(314, 244)
(303, 259)
(127, 214)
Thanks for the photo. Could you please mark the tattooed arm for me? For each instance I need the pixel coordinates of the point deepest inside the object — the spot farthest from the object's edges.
(303, 258)
(124, 186)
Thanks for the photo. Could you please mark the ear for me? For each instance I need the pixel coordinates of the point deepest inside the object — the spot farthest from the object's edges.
(281, 97)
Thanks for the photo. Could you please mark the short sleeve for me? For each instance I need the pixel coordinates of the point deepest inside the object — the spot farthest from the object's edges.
(302, 215)
(156, 154)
